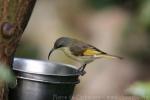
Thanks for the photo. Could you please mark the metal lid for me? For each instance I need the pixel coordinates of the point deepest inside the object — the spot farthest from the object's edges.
(44, 67)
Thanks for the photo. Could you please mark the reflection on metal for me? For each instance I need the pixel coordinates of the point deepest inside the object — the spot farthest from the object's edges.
(41, 80)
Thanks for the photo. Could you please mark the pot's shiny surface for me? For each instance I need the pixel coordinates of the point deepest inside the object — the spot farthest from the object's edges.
(41, 80)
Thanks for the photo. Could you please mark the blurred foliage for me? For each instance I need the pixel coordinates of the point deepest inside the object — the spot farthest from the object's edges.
(27, 49)
(141, 89)
(98, 4)
(7, 75)
(144, 16)
(131, 5)
(137, 35)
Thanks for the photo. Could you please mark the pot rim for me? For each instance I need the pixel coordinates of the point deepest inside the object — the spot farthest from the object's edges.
(25, 68)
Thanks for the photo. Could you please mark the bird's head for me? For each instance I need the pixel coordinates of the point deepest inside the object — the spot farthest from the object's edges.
(60, 43)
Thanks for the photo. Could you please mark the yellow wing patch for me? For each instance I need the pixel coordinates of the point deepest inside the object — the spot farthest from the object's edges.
(90, 52)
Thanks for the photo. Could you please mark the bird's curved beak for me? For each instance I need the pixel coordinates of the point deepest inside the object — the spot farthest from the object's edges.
(50, 53)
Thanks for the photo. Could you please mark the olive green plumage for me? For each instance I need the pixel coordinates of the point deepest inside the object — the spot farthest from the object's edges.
(80, 51)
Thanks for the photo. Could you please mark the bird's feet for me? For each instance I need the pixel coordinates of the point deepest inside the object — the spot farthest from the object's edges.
(82, 71)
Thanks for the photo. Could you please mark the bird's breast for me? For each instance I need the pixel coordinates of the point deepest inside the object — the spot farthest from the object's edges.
(82, 59)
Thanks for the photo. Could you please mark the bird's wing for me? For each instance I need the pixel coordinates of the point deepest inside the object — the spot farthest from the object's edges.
(83, 49)
(91, 50)
(78, 49)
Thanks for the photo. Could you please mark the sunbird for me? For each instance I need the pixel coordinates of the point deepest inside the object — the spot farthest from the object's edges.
(79, 51)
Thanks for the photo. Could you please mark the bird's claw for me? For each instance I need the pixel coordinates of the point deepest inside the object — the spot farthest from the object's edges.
(82, 72)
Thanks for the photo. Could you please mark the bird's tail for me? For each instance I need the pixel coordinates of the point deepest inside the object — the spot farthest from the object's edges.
(109, 56)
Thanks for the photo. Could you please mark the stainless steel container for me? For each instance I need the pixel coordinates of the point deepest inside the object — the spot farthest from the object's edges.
(41, 80)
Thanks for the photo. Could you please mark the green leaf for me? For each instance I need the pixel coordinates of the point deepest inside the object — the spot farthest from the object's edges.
(141, 89)
(7, 75)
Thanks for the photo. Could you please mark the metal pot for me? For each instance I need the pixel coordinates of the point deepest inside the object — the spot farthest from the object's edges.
(41, 80)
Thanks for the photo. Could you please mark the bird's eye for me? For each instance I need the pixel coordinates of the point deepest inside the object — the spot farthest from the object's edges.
(60, 46)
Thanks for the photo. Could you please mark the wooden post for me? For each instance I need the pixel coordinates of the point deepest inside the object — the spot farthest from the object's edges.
(14, 16)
